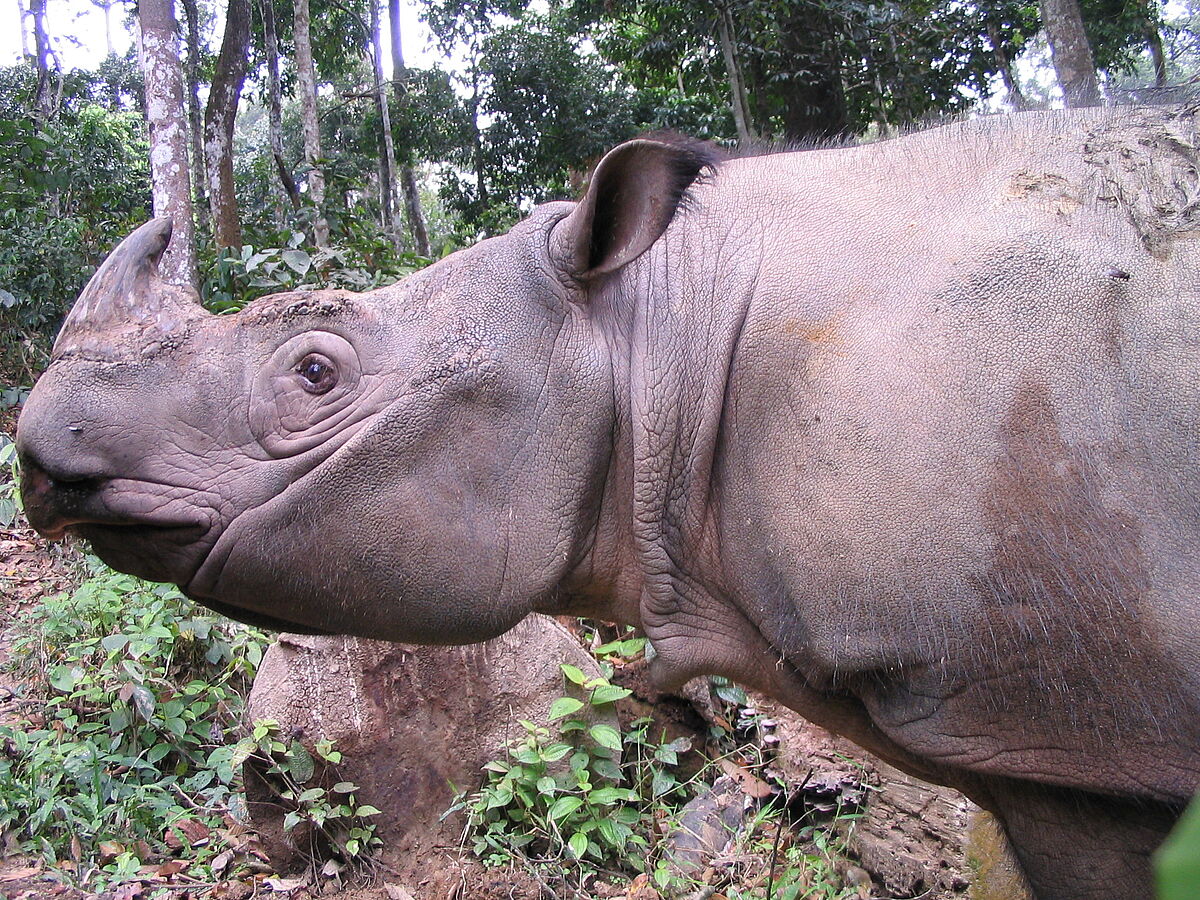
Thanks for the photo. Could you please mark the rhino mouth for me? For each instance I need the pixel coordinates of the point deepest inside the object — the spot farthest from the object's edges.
(156, 531)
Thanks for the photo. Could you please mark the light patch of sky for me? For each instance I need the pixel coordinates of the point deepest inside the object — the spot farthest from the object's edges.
(77, 33)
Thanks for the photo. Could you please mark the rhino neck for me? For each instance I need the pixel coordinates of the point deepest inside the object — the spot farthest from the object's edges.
(677, 316)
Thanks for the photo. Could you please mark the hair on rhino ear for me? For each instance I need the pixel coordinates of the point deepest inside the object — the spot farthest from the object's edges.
(630, 200)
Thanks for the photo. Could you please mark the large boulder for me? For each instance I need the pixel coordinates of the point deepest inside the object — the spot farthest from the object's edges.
(410, 721)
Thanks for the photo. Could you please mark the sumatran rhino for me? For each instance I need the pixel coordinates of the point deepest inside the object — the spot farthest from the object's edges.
(905, 435)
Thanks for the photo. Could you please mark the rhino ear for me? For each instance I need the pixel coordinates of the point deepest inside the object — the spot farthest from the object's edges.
(630, 200)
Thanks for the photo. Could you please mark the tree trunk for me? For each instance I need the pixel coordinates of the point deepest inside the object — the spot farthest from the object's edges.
(106, 6)
(275, 104)
(481, 194)
(307, 78)
(158, 47)
(1016, 99)
(387, 155)
(22, 13)
(408, 180)
(1154, 42)
(43, 104)
(815, 105)
(191, 70)
(737, 84)
(1071, 52)
(220, 114)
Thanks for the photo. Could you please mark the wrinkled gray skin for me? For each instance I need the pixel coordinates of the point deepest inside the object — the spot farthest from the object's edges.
(904, 435)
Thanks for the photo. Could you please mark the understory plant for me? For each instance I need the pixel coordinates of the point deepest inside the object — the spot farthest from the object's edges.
(236, 276)
(330, 827)
(128, 691)
(583, 800)
(576, 798)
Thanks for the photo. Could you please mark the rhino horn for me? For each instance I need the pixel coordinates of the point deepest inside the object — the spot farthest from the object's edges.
(127, 295)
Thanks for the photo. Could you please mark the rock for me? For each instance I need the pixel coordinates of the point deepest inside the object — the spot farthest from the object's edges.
(707, 825)
(912, 836)
(991, 856)
(409, 721)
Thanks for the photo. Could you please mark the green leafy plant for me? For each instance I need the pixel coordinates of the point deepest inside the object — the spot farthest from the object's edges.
(324, 815)
(235, 277)
(804, 866)
(10, 483)
(1177, 862)
(131, 691)
(579, 802)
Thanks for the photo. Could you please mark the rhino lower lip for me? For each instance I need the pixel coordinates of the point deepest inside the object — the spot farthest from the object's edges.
(110, 504)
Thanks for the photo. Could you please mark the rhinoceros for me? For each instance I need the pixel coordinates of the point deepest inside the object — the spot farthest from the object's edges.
(904, 435)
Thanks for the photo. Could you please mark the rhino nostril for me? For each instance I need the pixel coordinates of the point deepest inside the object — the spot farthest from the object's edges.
(42, 477)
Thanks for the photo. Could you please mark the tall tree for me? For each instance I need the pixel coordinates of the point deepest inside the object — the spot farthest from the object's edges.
(408, 180)
(275, 103)
(21, 14)
(738, 102)
(387, 149)
(159, 51)
(306, 77)
(43, 106)
(106, 7)
(220, 114)
(191, 73)
(1158, 57)
(1072, 54)
(1016, 98)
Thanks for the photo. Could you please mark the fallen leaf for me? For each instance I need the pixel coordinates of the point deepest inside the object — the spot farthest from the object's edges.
(751, 784)
(641, 889)
(221, 862)
(174, 867)
(18, 874)
(233, 890)
(284, 885)
(395, 892)
(332, 867)
(195, 831)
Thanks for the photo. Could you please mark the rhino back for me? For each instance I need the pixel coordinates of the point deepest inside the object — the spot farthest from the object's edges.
(955, 470)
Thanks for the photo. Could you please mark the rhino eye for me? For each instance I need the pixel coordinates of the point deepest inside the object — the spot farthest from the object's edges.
(318, 375)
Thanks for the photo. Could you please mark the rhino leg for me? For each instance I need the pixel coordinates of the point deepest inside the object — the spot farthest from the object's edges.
(1074, 845)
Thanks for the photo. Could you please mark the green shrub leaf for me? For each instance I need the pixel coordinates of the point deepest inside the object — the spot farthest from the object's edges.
(564, 706)
(578, 844)
(606, 736)
(607, 693)
(563, 807)
(573, 674)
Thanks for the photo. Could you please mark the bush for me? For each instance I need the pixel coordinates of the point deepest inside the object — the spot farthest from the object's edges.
(68, 191)
(136, 689)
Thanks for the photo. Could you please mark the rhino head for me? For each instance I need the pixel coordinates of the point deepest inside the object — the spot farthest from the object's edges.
(420, 463)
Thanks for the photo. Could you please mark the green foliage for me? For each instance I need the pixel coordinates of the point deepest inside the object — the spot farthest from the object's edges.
(578, 803)
(803, 867)
(69, 188)
(336, 828)
(136, 689)
(10, 482)
(235, 277)
(1177, 862)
